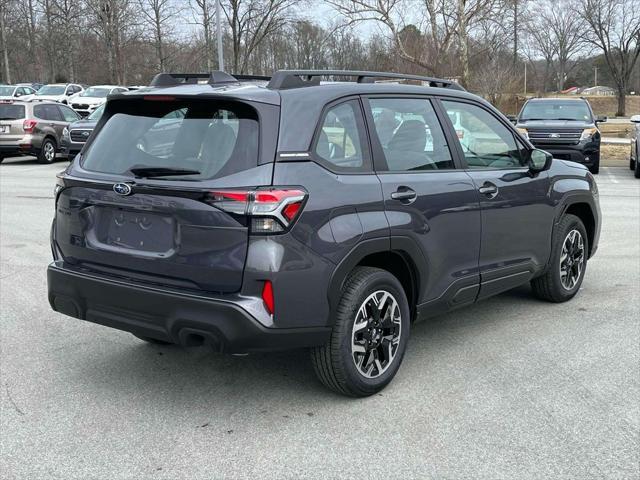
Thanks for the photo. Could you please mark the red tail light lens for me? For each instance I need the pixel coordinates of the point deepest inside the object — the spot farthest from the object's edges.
(267, 297)
(272, 210)
(29, 125)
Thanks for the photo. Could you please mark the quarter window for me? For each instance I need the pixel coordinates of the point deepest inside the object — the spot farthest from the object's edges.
(485, 141)
(340, 140)
(411, 136)
(68, 114)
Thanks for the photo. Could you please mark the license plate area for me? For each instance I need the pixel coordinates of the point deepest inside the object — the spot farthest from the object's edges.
(5, 128)
(133, 232)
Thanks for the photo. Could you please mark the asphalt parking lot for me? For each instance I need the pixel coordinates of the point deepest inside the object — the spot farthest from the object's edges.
(509, 388)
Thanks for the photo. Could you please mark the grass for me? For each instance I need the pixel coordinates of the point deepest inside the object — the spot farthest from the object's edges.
(614, 155)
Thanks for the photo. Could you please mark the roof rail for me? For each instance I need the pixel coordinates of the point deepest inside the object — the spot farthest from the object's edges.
(285, 79)
(213, 78)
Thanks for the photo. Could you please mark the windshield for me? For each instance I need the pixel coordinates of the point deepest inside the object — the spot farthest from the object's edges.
(96, 92)
(11, 112)
(213, 139)
(52, 90)
(6, 91)
(97, 113)
(567, 110)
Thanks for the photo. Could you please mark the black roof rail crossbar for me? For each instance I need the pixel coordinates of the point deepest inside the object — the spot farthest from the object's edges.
(212, 78)
(284, 79)
(251, 77)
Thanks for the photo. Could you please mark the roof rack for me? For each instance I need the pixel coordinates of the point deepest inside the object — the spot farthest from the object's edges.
(285, 79)
(216, 77)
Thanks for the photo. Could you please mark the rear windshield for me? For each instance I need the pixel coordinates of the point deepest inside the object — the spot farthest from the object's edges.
(545, 110)
(6, 91)
(96, 92)
(11, 112)
(214, 139)
(51, 90)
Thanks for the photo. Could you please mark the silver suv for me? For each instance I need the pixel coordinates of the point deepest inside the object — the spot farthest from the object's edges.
(33, 129)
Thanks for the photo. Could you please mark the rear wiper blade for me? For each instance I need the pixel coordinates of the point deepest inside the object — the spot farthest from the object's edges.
(148, 172)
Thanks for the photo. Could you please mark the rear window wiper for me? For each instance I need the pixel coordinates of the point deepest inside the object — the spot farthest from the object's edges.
(148, 172)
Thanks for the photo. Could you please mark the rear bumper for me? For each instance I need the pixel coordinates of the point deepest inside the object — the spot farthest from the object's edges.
(172, 316)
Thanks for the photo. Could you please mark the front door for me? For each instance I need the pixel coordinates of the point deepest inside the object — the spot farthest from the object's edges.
(428, 201)
(517, 216)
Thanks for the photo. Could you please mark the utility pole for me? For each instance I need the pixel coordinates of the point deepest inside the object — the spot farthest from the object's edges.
(595, 76)
(219, 35)
(525, 79)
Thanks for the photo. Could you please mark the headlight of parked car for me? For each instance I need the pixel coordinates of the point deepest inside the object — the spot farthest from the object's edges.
(588, 133)
(523, 132)
(65, 132)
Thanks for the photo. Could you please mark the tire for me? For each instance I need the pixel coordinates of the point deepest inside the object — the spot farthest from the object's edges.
(152, 340)
(1, 159)
(595, 168)
(45, 155)
(335, 362)
(551, 286)
(632, 164)
(636, 170)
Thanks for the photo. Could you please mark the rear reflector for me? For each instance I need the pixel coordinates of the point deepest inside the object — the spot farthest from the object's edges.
(267, 297)
(273, 209)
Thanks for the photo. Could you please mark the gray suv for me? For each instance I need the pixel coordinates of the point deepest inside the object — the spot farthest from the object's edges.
(255, 214)
(33, 129)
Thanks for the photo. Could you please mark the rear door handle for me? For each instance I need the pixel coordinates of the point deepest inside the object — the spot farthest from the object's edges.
(488, 189)
(405, 195)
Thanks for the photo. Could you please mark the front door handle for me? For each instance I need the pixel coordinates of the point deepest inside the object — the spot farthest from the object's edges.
(405, 195)
(488, 189)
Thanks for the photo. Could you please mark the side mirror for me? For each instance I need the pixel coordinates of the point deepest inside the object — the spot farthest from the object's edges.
(513, 119)
(601, 118)
(539, 160)
(635, 119)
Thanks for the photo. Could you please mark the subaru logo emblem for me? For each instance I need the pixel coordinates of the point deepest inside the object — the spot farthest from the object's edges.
(555, 135)
(122, 189)
(85, 134)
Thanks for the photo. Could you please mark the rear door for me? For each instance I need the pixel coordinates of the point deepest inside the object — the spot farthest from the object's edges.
(50, 120)
(427, 198)
(165, 229)
(517, 217)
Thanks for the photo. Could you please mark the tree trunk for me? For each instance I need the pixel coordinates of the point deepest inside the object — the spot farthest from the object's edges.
(621, 102)
(464, 43)
(5, 53)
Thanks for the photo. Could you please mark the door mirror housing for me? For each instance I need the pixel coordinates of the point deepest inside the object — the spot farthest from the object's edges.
(601, 119)
(513, 119)
(539, 160)
(635, 119)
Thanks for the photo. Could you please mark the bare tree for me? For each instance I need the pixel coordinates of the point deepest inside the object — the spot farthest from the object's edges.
(251, 21)
(444, 25)
(113, 22)
(158, 16)
(204, 15)
(4, 4)
(615, 29)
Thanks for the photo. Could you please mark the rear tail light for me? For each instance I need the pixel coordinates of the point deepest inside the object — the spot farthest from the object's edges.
(29, 125)
(267, 297)
(272, 210)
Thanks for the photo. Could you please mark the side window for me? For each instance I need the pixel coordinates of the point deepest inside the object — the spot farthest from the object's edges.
(485, 141)
(340, 140)
(68, 114)
(47, 112)
(410, 134)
